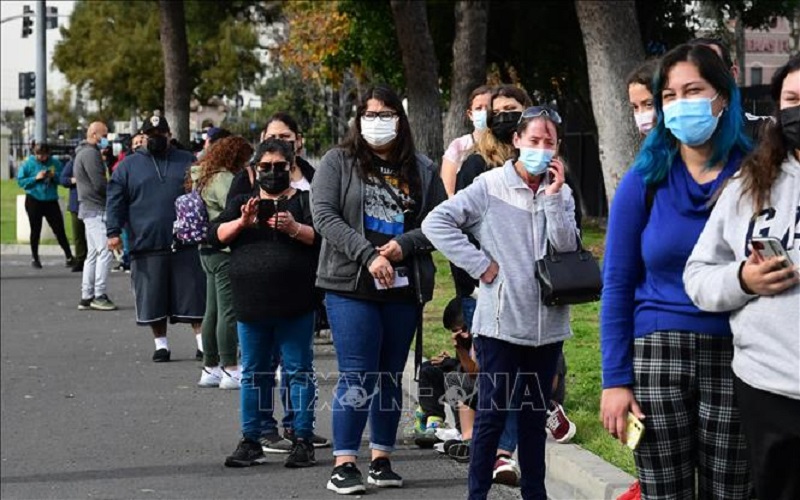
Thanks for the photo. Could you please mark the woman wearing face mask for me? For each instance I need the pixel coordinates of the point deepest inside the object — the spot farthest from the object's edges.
(369, 196)
(516, 338)
(724, 273)
(640, 95)
(663, 359)
(272, 240)
(477, 113)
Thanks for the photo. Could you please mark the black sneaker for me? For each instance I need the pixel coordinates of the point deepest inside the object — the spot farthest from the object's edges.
(459, 452)
(70, 262)
(382, 475)
(302, 455)
(36, 264)
(161, 355)
(346, 479)
(274, 443)
(320, 442)
(77, 268)
(85, 304)
(247, 454)
(198, 355)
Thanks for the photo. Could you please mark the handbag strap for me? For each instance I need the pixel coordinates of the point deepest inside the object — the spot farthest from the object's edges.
(551, 251)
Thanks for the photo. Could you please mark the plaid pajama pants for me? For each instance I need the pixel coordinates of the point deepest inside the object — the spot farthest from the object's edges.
(684, 386)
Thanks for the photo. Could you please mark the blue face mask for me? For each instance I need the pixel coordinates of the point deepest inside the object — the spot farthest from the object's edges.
(535, 160)
(691, 121)
(479, 119)
(103, 144)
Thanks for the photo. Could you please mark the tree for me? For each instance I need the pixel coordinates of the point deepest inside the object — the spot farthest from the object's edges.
(613, 49)
(469, 62)
(175, 50)
(421, 75)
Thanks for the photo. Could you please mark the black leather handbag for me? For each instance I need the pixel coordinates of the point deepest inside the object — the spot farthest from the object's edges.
(568, 277)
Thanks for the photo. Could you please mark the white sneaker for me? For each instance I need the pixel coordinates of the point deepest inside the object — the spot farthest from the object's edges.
(230, 380)
(210, 377)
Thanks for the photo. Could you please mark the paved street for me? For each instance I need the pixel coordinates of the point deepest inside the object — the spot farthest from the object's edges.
(86, 414)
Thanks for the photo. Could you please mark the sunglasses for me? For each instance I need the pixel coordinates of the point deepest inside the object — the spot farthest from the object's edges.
(538, 111)
(275, 165)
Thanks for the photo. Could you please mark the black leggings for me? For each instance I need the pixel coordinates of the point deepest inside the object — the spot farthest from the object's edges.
(52, 212)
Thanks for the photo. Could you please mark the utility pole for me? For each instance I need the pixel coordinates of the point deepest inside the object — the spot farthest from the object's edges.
(41, 72)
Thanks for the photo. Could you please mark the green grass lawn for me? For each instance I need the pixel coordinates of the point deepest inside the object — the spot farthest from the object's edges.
(582, 353)
(8, 212)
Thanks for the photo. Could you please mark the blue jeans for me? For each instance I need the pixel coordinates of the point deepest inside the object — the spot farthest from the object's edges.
(513, 379)
(468, 305)
(294, 337)
(372, 340)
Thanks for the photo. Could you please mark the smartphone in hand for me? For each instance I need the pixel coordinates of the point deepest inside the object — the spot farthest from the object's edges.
(768, 247)
(634, 431)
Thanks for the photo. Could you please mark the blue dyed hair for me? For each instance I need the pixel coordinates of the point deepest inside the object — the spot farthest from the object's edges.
(660, 147)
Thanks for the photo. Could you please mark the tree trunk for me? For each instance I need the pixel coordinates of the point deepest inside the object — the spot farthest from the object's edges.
(175, 49)
(469, 63)
(420, 70)
(613, 48)
(740, 55)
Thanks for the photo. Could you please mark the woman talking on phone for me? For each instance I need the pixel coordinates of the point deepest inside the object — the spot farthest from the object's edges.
(272, 240)
(663, 359)
(729, 271)
(369, 196)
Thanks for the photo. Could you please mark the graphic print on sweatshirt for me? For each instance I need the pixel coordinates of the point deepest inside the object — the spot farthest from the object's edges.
(381, 212)
(768, 223)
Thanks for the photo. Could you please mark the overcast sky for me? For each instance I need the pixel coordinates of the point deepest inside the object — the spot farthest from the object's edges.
(18, 54)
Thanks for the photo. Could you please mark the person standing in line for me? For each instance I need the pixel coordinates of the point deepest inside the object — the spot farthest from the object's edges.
(369, 196)
(92, 183)
(640, 96)
(167, 285)
(726, 273)
(67, 180)
(39, 176)
(459, 148)
(663, 359)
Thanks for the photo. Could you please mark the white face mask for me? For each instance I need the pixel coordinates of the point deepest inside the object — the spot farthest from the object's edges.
(479, 119)
(378, 132)
(644, 120)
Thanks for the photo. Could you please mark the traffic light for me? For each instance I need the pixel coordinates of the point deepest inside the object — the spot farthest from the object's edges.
(27, 85)
(27, 21)
(52, 18)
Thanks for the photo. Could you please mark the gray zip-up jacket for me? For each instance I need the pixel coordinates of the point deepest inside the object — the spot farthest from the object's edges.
(766, 330)
(513, 227)
(337, 205)
(90, 177)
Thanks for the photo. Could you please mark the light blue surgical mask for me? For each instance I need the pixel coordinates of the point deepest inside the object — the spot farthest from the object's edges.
(103, 144)
(691, 121)
(535, 160)
(479, 119)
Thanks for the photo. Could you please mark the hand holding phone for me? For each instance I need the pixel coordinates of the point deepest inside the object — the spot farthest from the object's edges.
(768, 270)
(634, 431)
(769, 247)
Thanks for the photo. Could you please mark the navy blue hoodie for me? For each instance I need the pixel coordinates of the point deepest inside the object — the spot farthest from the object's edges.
(142, 192)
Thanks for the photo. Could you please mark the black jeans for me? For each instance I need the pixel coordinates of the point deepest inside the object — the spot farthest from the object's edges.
(52, 212)
(431, 387)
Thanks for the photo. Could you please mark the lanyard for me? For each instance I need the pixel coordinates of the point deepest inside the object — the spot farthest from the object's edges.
(161, 177)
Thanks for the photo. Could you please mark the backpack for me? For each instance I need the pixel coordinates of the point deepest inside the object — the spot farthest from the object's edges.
(191, 224)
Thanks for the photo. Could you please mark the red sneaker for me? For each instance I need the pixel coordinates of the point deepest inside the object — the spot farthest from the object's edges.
(505, 471)
(558, 425)
(633, 493)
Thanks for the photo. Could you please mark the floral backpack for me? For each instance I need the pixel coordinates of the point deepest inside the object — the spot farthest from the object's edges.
(191, 224)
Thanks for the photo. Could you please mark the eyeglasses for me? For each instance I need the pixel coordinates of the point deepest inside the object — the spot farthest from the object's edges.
(537, 111)
(385, 116)
(274, 165)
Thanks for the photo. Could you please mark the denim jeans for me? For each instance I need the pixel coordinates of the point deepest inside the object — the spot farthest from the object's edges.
(468, 305)
(514, 379)
(294, 336)
(98, 258)
(372, 340)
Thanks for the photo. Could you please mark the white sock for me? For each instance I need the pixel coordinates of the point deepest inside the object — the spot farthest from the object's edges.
(199, 338)
(161, 343)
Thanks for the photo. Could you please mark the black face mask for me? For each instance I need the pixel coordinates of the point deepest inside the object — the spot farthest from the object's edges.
(157, 145)
(274, 182)
(504, 124)
(790, 126)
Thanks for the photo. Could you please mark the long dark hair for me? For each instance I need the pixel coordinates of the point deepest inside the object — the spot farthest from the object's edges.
(402, 153)
(760, 170)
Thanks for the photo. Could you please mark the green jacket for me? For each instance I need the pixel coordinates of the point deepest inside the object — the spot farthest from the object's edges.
(45, 189)
(214, 193)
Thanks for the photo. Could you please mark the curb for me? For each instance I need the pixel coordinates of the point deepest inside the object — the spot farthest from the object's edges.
(16, 249)
(581, 472)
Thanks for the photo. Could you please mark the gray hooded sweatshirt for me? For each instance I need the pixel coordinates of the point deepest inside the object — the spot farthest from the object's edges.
(766, 330)
(90, 178)
(513, 227)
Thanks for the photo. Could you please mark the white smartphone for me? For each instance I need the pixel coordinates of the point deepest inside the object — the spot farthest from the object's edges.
(400, 279)
(771, 247)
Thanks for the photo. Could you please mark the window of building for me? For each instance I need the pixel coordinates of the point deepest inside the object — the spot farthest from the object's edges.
(756, 76)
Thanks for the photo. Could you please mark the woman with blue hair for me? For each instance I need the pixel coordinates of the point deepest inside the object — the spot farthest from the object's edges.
(663, 359)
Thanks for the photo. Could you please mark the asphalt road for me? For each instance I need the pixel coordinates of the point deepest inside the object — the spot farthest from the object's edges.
(87, 414)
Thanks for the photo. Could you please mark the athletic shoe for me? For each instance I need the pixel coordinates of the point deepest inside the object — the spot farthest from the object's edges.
(320, 442)
(198, 355)
(161, 355)
(382, 475)
(274, 443)
(346, 479)
(230, 381)
(77, 268)
(505, 471)
(247, 453)
(447, 444)
(36, 264)
(210, 377)
(425, 437)
(558, 425)
(70, 262)
(459, 451)
(302, 455)
(634, 492)
(102, 303)
(85, 304)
